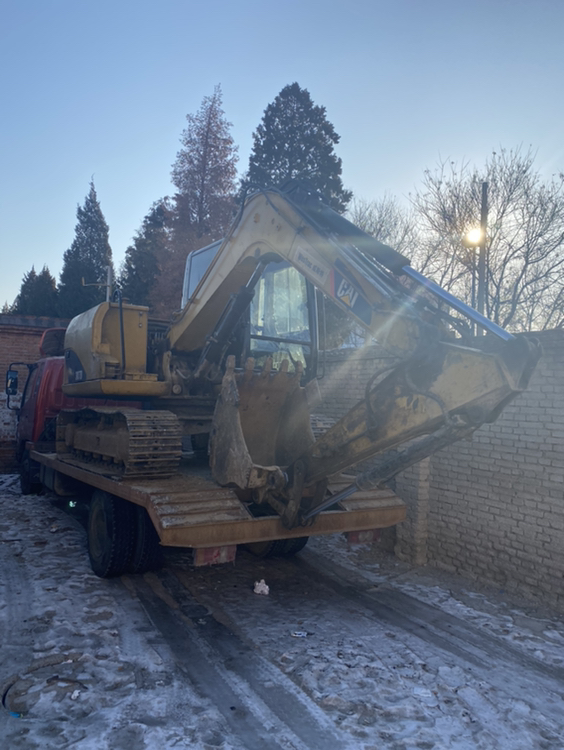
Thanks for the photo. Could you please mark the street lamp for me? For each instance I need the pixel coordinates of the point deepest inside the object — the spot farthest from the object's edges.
(476, 238)
(472, 240)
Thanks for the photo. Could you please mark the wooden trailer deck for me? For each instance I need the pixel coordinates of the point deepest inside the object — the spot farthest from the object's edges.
(190, 510)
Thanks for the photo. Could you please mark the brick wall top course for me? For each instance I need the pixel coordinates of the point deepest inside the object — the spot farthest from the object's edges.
(32, 321)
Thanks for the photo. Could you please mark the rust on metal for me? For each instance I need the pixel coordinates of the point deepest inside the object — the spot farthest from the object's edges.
(192, 511)
(214, 555)
(120, 442)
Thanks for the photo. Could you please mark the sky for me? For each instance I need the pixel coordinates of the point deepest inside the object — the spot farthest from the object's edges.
(101, 91)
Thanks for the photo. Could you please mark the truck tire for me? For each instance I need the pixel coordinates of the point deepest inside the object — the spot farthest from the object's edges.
(29, 475)
(277, 547)
(263, 550)
(291, 547)
(110, 534)
(147, 551)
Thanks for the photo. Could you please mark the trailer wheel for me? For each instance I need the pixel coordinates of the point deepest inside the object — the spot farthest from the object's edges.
(277, 547)
(291, 547)
(110, 534)
(29, 475)
(147, 551)
(263, 550)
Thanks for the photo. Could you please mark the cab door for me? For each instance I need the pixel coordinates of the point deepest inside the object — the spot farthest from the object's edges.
(27, 413)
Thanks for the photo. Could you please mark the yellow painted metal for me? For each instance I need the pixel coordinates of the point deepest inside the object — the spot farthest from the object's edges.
(261, 422)
(120, 442)
(271, 226)
(118, 388)
(407, 405)
(95, 338)
(379, 516)
(191, 511)
(265, 442)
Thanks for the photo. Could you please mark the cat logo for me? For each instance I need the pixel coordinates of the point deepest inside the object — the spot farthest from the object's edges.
(347, 293)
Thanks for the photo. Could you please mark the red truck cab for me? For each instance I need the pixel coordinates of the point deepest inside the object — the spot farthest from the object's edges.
(41, 402)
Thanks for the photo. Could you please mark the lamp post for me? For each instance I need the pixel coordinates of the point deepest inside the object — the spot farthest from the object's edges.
(472, 240)
(482, 254)
(476, 240)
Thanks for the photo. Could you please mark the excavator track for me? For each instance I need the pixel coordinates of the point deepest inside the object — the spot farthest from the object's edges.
(120, 443)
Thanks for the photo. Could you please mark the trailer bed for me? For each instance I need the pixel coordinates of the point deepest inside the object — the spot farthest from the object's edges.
(190, 510)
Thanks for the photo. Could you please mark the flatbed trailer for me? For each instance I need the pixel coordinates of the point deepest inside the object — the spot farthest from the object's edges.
(190, 510)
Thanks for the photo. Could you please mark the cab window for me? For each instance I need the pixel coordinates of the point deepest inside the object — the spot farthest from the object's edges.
(280, 317)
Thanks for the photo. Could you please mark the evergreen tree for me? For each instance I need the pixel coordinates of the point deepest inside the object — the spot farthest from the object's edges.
(87, 258)
(142, 258)
(296, 141)
(38, 294)
(47, 294)
(23, 301)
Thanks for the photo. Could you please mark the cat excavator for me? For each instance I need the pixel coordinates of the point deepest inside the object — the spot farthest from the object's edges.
(236, 374)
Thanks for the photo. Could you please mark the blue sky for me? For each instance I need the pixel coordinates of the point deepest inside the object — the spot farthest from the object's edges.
(102, 89)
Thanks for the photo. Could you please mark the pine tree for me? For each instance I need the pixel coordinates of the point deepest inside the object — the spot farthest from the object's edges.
(296, 141)
(24, 300)
(142, 258)
(47, 295)
(87, 258)
(38, 294)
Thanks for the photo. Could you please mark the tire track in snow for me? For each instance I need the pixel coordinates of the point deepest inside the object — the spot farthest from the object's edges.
(485, 655)
(261, 706)
(422, 686)
(15, 591)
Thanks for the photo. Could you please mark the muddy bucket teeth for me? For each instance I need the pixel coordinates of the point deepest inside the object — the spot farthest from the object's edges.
(261, 420)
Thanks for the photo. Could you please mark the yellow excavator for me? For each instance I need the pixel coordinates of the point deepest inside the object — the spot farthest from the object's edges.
(236, 370)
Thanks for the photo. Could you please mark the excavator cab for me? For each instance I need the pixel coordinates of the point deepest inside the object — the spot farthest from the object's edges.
(281, 321)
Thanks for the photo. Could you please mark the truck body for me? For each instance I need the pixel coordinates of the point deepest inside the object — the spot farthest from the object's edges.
(236, 372)
(188, 509)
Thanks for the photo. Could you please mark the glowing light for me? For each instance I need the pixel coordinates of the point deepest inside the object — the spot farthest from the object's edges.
(474, 236)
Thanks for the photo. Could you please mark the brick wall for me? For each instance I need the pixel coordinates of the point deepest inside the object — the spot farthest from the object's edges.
(491, 508)
(19, 342)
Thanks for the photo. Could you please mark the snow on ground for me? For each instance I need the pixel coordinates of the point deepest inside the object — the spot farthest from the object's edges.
(383, 685)
(83, 667)
(526, 625)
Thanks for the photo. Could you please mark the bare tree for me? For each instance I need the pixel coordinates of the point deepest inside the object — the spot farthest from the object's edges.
(205, 169)
(525, 242)
(202, 209)
(386, 220)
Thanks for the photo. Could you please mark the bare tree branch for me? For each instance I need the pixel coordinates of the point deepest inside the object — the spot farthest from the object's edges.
(525, 244)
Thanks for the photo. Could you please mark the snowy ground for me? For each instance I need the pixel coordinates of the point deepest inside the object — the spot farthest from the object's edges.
(349, 650)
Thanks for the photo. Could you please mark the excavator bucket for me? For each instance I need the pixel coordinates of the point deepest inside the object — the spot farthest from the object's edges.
(261, 422)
